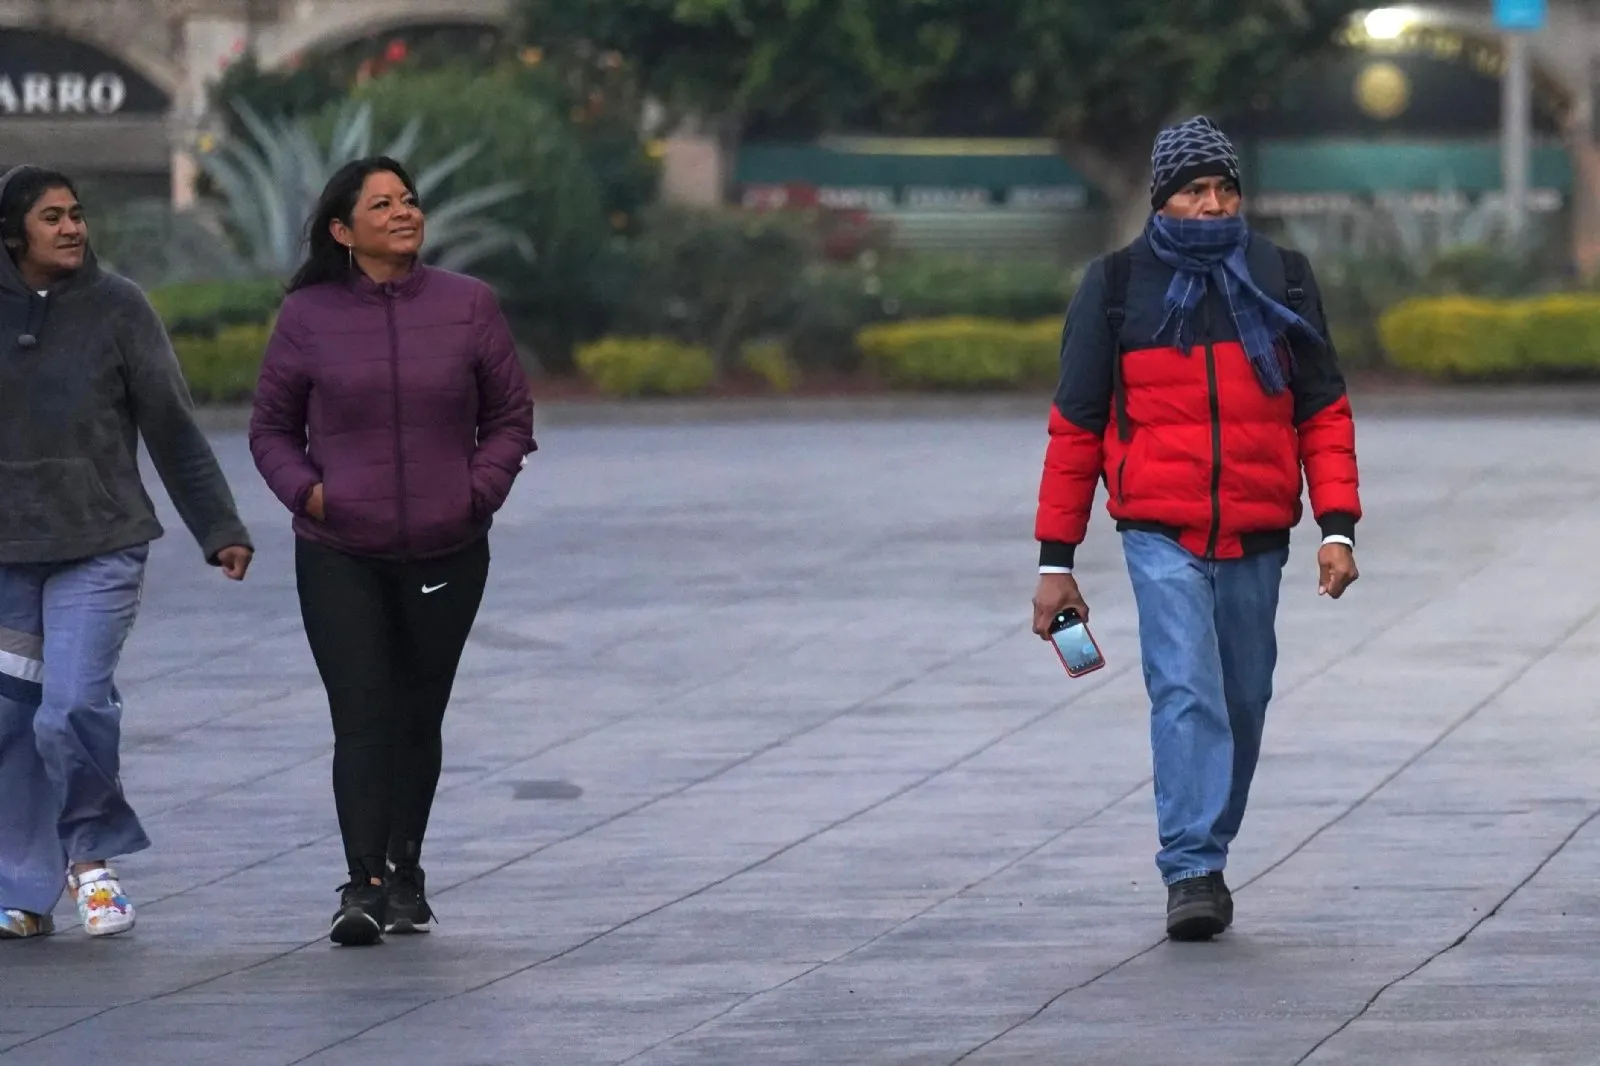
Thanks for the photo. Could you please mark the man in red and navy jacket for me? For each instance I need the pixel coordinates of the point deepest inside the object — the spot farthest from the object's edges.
(1198, 381)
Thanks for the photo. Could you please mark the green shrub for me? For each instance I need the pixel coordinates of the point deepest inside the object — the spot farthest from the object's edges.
(223, 367)
(646, 366)
(1464, 337)
(963, 352)
(836, 302)
(1559, 334)
(716, 278)
(1358, 290)
(925, 285)
(203, 308)
(768, 361)
(833, 304)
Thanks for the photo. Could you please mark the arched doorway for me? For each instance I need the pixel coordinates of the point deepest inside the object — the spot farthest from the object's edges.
(70, 104)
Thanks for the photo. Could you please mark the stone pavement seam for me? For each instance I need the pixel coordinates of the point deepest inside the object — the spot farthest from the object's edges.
(902, 923)
(856, 706)
(274, 857)
(1135, 790)
(1053, 838)
(140, 1002)
(1458, 941)
(748, 757)
(1472, 712)
(798, 842)
(468, 782)
(130, 677)
(1416, 757)
(155, 739)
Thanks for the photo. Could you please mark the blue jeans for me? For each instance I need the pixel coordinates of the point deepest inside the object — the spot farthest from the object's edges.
(62, 627)
(1208, 643)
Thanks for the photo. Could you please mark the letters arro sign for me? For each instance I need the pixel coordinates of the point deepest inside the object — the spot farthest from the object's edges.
(67, 93)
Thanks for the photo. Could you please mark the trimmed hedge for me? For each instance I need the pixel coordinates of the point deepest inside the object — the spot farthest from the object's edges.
(769, 361)
(926, 285)
(963, 352)
(203, 308)
(1465, 337)
(223, 368)
(646, 366)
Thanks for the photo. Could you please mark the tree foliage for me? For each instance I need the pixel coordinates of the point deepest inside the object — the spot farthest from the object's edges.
(1103, 75)
(723, 60)
(1099, 76)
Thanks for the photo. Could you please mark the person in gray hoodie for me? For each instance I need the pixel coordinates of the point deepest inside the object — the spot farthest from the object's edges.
(86, 369)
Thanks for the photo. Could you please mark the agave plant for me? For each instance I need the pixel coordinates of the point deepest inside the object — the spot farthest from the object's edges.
(272, 180)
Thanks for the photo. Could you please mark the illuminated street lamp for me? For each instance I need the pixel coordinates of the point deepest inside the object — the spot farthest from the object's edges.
(1387, 23)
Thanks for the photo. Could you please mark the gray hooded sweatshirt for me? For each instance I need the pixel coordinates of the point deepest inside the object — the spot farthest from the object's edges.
(85, 370)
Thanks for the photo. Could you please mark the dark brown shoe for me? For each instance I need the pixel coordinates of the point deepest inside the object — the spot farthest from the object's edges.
(1194, 909)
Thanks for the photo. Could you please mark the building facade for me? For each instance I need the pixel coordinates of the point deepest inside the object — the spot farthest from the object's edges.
(115, 89)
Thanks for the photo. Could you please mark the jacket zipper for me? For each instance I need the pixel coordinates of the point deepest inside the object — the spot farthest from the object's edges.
(1122, 472)
(1216, 451)
(399, 446)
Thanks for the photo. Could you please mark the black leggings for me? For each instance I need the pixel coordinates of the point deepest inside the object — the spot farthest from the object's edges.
(387, 638)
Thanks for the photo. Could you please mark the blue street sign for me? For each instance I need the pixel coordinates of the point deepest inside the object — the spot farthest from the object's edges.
(1519, 14)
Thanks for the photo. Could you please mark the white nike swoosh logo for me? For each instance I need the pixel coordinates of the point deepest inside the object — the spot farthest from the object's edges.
(426, 589)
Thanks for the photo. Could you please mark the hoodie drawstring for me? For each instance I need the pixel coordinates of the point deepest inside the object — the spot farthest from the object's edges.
(36, 309)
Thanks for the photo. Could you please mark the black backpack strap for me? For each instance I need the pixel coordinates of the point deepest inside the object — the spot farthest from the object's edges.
(1118, 268)
(1294, 279)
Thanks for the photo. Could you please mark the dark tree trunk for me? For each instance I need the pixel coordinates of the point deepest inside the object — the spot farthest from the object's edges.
(1125, 183)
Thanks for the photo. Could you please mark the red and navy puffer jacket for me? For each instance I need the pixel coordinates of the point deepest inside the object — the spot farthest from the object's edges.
(1188, 443)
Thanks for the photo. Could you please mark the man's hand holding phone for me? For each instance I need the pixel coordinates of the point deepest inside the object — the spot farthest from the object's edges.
(1056, 593)
(1061, 617)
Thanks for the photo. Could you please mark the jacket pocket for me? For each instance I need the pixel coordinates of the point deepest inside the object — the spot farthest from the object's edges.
(47, 499)
(469, 498)
(1128, 465)
(480, 507)
(339, 513)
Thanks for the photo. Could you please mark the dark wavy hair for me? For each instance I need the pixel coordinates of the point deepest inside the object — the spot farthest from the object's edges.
(22, 192)
(327, 259)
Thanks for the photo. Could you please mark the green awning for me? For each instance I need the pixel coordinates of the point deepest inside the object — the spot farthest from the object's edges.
(1282, 167)
(1366, 167)
(872, 166)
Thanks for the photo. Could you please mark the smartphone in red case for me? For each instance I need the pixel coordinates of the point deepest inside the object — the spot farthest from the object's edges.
(1076, 646)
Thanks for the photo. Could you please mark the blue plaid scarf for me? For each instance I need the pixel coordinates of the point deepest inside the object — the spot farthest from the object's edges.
(1202, 250)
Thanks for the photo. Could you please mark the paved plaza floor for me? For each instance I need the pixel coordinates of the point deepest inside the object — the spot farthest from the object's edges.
(753, 761)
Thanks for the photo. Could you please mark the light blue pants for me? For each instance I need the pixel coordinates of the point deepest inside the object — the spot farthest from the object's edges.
(1208, 641)
(62, 627)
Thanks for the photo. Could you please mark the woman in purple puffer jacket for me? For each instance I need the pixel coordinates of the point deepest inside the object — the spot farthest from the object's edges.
(391, 418)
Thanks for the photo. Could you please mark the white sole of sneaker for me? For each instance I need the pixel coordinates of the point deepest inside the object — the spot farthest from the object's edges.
(355, 929)
(104, 930)
(406, 928)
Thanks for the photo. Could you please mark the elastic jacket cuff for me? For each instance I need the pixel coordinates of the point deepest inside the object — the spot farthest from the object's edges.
(1055, 553)
(1338, 524)
(230, 536)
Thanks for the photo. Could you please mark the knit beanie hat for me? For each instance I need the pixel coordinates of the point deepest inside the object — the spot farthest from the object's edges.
(1191, 149)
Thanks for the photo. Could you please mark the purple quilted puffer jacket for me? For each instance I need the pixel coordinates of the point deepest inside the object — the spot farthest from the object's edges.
(405, 401)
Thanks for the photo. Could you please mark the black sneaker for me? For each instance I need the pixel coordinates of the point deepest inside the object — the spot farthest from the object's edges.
(408, 905)
(1194, 909)
(360, 918)
(1225, 898)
